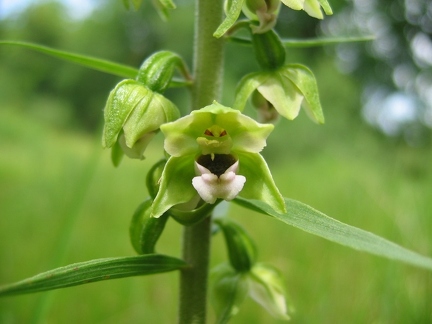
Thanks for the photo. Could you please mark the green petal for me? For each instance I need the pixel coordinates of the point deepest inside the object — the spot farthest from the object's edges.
(176, 184)
(325, 5)
(259, 181)
(246, 87)
(305, 81)
(313, 9)
(282, 94)
(247, 135)
(233, 13)
(181, 135)
(294, 4)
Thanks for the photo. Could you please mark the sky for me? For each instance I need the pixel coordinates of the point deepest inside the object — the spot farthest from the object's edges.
(78, 8)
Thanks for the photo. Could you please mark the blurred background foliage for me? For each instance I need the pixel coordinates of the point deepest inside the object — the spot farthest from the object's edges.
(370, 165)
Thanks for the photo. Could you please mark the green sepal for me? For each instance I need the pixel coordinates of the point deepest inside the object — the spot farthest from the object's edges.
(157, 71)
(228, 291)
(242, 251)
(294, 4)
(277, 89)
(282, 93)
(247, 85)
(194, 216)
(176, 184)
(233, 9)
(116, 154)
(145, 230)
(305, 81)
(153, 177)
(326, 6)
(259, 181)
(95, 270)
(267, 289)
(269, 50)
(247, 135)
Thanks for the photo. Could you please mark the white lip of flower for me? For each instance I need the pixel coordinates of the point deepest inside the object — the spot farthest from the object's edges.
(211, 187)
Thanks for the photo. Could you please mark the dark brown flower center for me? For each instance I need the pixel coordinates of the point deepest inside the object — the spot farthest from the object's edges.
(216, 163)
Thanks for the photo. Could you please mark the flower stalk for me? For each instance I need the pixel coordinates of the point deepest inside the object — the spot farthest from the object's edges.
(208, 72)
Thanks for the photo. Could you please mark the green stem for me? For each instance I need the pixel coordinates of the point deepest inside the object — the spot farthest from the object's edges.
(208, 72)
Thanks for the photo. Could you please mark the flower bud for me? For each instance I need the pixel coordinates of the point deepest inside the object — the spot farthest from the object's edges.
(228, 291)
(157, 71)
(145, 230)
(267, 289)
(153, 178)
(263, 11)
(133, 114)
(269, 50)
(241, 249)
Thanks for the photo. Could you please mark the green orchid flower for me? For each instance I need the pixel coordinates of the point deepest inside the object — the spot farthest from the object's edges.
(214, 155)
(133, 114)
(136, 108)
(265, 12)
(286, 89)
(312, 7)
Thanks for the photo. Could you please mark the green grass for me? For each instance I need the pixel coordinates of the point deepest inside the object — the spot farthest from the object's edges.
(61, 201)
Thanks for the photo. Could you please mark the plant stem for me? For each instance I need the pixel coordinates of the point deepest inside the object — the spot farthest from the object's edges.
(208, 72)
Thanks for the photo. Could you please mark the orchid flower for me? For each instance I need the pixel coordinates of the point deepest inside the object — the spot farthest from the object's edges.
(214, 154)
(286, 89)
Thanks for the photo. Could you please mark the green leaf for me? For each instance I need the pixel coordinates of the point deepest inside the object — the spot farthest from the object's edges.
(312, 42)
(98, 64)
(325, 41)
(92, 271)
(312, 221)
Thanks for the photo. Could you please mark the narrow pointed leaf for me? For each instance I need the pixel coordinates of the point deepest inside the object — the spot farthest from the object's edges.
(92, 271)
(325, 41)
(106, 66)
(312, 42)
(312, 221)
